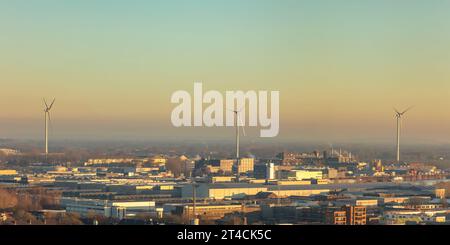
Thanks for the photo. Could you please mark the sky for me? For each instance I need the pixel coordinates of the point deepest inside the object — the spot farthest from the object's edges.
(340, 66)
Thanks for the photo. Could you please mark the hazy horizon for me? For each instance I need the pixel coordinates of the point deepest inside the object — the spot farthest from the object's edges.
(340, 67)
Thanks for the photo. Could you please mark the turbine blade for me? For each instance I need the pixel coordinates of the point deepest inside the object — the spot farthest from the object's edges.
(45, 102)
(242, 125)
(51, 104)
(396, 110)
(409, 108)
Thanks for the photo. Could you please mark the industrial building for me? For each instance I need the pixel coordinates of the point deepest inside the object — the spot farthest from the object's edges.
(239, 190)
(107, 208)
(299, 174)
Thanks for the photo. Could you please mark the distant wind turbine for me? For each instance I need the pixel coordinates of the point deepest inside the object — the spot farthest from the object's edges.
(47, 119)
(399, 116)
(238, 120)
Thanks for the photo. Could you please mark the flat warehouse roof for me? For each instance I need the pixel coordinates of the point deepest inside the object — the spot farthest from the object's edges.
(381, 185)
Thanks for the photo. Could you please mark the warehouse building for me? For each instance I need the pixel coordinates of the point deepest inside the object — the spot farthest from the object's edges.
(107, 208)
(239, 190)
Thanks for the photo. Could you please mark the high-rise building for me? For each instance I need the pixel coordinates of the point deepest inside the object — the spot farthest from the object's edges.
(246, 165)
(189, 167)
(264, 171)
(336, 217)
(346, 215)
(356, 215)
(270, 171)
(223, 165)
(226, 165)
(259, 171)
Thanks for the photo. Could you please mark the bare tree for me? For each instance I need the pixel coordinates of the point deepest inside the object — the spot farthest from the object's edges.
(8, 199)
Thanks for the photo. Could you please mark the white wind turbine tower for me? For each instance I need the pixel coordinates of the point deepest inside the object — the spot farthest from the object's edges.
(47, 119)
(399, 115)
(238, 120)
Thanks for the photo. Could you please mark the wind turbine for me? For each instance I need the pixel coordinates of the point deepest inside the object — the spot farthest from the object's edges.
(399, 116)
(237, 121)
(47, 119)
